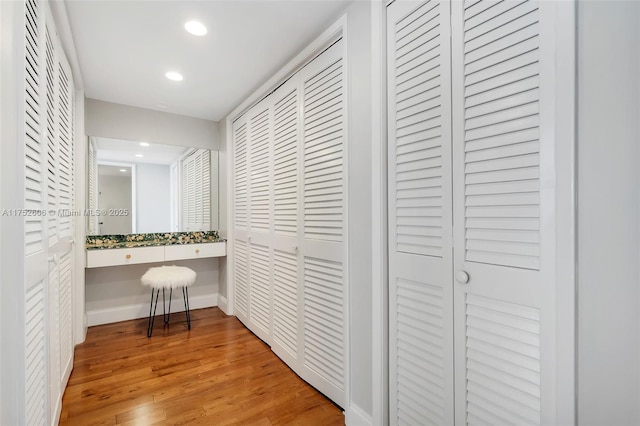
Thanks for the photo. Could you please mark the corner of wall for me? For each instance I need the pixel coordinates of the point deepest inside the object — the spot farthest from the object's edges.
(355, 416)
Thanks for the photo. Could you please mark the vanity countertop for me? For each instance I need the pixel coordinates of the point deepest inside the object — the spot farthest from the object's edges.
(102, 242)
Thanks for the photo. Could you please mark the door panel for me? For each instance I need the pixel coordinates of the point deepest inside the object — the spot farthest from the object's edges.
(323, 248)
(287, 192)
(420, 234)
(497, 211)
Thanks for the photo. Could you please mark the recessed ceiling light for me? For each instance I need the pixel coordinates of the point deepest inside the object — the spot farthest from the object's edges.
(195, 28)
(144, 144)
(172, 75)
(139, 155)
(123, 170)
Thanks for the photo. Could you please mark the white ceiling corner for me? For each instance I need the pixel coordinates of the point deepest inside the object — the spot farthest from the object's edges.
(124, 49)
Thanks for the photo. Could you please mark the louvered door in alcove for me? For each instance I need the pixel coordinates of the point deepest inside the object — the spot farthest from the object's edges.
(48, 185)
(289, 239)
(471, 186)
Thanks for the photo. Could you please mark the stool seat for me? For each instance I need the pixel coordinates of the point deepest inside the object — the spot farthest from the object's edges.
(168, 277)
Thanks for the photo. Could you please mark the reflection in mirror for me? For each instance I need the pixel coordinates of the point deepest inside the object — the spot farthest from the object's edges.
(138, 187)
(115, 194)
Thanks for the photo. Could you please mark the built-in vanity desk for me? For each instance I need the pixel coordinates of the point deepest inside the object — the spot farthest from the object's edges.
(113, 291)
(131, 249)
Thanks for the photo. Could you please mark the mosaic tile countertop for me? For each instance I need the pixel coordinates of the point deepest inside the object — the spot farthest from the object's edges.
(99, 242)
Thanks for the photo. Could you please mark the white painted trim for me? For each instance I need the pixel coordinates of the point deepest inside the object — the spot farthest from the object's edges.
(56, 411)
(229, 227)
(223, 304)
(81, 174)
(129, 312)
(566, 225)
(379, 241)
(341, 27)
(356, 416)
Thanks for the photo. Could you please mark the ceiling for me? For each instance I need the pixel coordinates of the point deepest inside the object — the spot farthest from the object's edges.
(125, 151)
(124, 49)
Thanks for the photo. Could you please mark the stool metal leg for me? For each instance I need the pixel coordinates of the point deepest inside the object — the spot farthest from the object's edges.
(164, 308)
(185, 295)
(152, 316)
(166, 320)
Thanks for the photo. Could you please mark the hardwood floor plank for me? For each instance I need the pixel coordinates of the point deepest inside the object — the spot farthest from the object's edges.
(216, 373)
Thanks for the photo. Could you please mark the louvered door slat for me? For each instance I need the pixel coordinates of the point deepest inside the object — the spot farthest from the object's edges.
(285, 165)
(260, 128)
(260, 288)
(324, 340)
(285, 301)
(52, 126)
(65, 310)
(323, 154)
(35, 142)
(35, 355)
(506, 118)
(241, 275)
(240, 176)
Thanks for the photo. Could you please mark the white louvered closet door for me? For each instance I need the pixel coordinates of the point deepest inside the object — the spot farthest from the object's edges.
(504, 213)
(241, 220)
(35, 181)
(323, 250)
(420, 233)
(64, 251)
(287, 278)
(260, 218)
(48, 233)
(53, 180)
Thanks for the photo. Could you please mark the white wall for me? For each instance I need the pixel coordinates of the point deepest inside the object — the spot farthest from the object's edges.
(114, 192)
(115, 293)
(153, 198)
(110, 120)
(608, 213)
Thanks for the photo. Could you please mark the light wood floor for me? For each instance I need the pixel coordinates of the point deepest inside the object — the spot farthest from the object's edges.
(218, 373)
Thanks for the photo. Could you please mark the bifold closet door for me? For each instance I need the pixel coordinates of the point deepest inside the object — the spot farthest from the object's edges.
(59, 190)
(240, 220)
(323, 230)
(420, 214)
(36, 382)
(253, 218)
(504, 211)
(287, 217)
(260, 218)
(48, 231)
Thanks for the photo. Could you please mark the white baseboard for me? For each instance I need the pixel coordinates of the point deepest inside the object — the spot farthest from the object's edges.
(223, 304)
(129, 312)
(355, 416)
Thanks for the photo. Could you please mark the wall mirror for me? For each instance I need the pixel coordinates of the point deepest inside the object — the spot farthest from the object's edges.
(140, 187)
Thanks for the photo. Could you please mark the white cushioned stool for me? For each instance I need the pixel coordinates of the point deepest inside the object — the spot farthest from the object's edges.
(168, 277)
